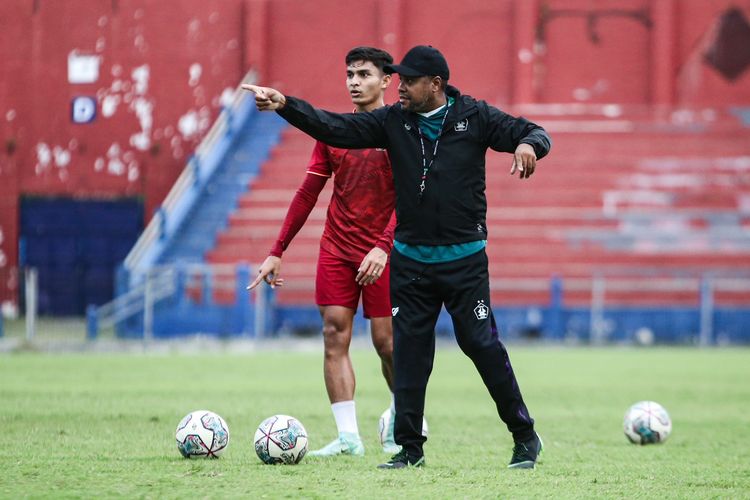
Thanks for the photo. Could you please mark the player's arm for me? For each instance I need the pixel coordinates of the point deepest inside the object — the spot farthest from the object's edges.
(526, 140)
(343, 130)
(299, 210)
(372, 266)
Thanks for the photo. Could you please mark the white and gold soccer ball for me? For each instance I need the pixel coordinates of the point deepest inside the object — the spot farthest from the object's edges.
(647, 422)
(385, 422)
(202, 433)
(280, 439)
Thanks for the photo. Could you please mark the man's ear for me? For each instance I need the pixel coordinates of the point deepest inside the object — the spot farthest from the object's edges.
(386, 81)
(436, 83)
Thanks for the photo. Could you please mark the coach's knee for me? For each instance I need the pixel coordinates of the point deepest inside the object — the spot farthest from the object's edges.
(471, 345)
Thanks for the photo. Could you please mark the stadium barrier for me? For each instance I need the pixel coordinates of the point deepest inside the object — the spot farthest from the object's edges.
(183, 299)
(618, 308)
(8, 307)
(159, 284)
(31, 294)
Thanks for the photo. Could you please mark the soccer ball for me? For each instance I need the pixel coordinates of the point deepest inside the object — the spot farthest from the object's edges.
(281, 439)
(202, 433)
(647, 422)
(385, 422)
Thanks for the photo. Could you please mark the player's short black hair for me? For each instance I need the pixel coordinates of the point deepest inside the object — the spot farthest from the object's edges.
(377, 57)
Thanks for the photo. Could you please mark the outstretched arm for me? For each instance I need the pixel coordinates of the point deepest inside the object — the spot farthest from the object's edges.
(343, 130)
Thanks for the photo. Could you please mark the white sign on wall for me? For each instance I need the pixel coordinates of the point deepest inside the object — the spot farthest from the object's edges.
(83, 68)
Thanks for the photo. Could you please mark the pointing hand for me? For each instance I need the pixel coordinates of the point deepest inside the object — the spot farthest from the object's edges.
(266, 98)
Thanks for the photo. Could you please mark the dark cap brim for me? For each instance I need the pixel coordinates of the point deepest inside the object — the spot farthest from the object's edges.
(401, 70)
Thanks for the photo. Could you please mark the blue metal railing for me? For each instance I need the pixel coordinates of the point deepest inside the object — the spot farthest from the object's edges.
(192, 308)
(186, 190)
(182, 301)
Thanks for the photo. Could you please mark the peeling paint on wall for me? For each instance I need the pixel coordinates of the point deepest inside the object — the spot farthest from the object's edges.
(57, 156)
(3, 258)
(118, 163)
(140, 43)
(194, 27)
(599, 88)
(43, 158)
(195, 74)
(143, 108)
(109, 105)
(194, 123)
(61, 156)
(134, 93)
(140, 77)
(115, 165)
(226, 98)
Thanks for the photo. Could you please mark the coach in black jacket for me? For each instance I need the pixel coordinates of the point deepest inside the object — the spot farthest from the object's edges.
(437, 140)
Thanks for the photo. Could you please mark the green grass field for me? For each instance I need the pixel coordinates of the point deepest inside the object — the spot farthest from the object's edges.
(95, 425)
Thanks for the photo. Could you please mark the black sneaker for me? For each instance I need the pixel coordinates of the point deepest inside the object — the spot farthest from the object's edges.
(402, 460)
(525, 454)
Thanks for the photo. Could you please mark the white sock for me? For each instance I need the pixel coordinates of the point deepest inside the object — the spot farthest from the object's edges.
(346, 417)
(393, 404)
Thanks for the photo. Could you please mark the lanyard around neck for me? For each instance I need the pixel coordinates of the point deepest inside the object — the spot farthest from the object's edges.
(427, 166)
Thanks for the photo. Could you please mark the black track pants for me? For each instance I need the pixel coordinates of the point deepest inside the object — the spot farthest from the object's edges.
(418, 291)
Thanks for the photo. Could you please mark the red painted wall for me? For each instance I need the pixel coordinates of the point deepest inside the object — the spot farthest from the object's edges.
(477, 39)
(305, 51)
(595, 52)
(163, 68)
(696, 82)
(164, 65)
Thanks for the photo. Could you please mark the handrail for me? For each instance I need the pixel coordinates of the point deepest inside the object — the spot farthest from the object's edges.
(540, 284)
(158, 283)
(601, 290)
(143, 253)
(163, 283)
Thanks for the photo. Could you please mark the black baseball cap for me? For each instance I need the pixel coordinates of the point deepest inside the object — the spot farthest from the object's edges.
(422, 60)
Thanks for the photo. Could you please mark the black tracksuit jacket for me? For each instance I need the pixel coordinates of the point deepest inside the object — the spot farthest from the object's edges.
(453, 208)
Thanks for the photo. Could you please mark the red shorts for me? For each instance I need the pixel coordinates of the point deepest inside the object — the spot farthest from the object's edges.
(335, 286)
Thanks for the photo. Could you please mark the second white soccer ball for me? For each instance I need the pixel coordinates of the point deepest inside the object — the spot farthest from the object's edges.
(385, 422)
(202, 433)
(280, 439)
(647, 422)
